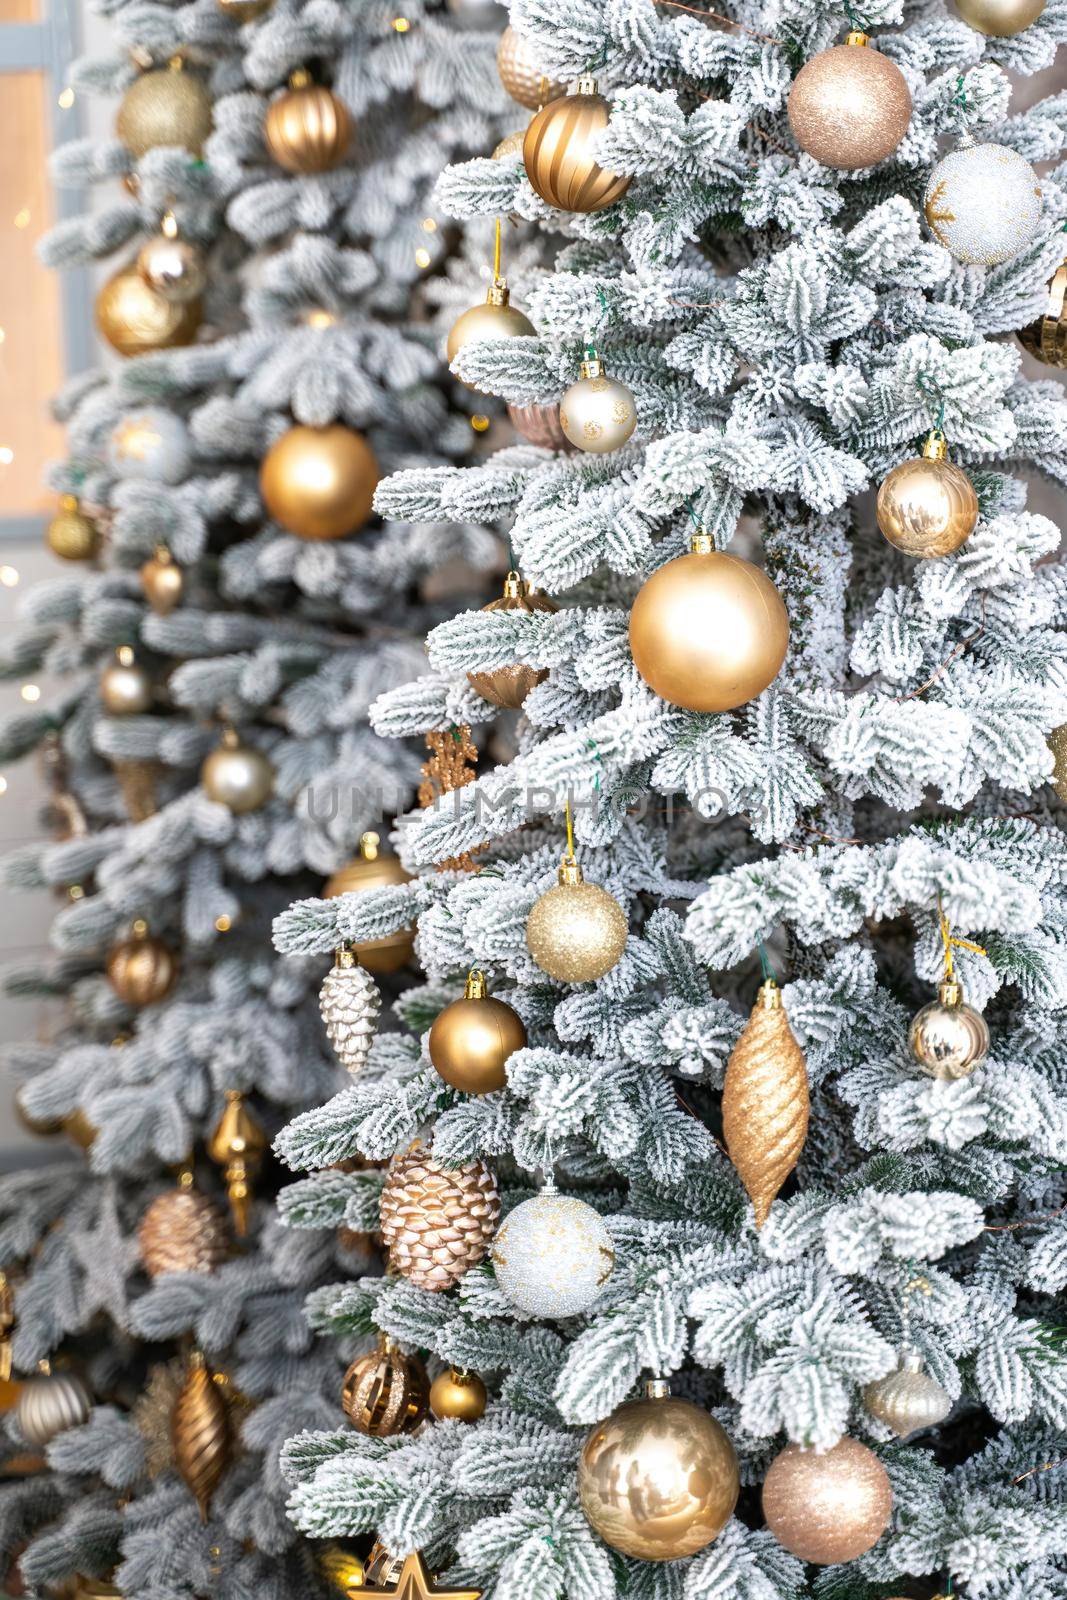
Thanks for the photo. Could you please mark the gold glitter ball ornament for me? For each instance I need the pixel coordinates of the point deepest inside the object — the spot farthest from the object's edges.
(460, 1396)
(658, 1479)
(949, 1038)
(163, 582)
(71, 535)
(520, 73)
(437, 1222)
(174, 268)
(307, 128)
(1000, 19)
(510, 145)
(557, 153)
(927, 507)
(1047, 337)
(576, 931)
(182, 1231)
(472, 1038)
(597, 413)
(237, 775)
(49, 1403)
(907, 1399)
(125, 687)
(495, 318)
(983, 203)
(386, 1393)
(540, 425)
(142, 969)
(372, 870)
(508, 687)
(827, 1507)
(553, 1255)
(200, 1430)
(135, 319)
(164, 107)
(1057, 743)
(765, 1101)
(708, 631)
(319, 483)
(849, 106)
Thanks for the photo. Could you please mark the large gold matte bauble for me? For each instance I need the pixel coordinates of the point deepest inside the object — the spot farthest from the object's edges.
(71, 535)
(708, 631)
(125, 687)
(949, 1038)
(1000, 19)
(658, 1479)
(557, 153)
(143, 969)
(182, 1231)
(1057, 743)
(165, 107)
(472, 1038)
(307, 129)
(49, 1404)
(907, 1399)
(765, 1101)
(237, 776)
(927, 506)
(576, 931)
(508, 687)
(520, 73)
(494, 318)
(460, 1396)
(371, 870)
(539, 424)
(173, 267)
(830, 1507)
(597, 413)
(319, 482)
(849, 106)
(163, 582)
(201, 1433)
(386, 1392)
(1047, 337)
(437, 1221)
(134, 319)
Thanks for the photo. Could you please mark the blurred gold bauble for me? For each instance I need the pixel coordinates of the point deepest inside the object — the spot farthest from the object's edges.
(164, 107)
(49, 1404)
(557, 153)
(134, 319)
(539, 424)
(460, 1396)
(658, 1479)
(708, 631)
(79, 1130)
(510, 145)
(926, 506)
(370, 870)
(71, 535)
(494, 318)
(307, 129)
(597, 413)
(765, 1101)
(143, 969)
(200, 1429)
(343, 1570)
(520, 73)
(238, 1143)
(1057, 743)
(437, 1221)
(1047, 337)
(125, 687)
(244, 10)
(386, 1392)
(827, 1507)
(182, 1231)
(576, 931)
(508, 687)
(173, 267)
(908, 1399)
(94, 1589)
(163, 582)
(999, 19)
(849, 106)
(237, 776)
(472, 1039)
(949, 1038)
(319, 482)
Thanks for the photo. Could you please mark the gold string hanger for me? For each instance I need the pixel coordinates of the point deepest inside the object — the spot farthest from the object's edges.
(950, 941)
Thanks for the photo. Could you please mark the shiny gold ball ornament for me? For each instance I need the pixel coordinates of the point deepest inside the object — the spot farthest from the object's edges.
(174, 268)
(557, 153)
(520, 74)
(163, 582)
(576, 931)
(1000, 19)
(1047, 337)
(508, 687)
(597, 413)
(319, 483)
(849, 106)
(765, 1101)
(983, 203)
(907, 1399)
(142, 969)
(71, 535)
(827, 1507)
(658, 1479)
(472, 1038)
(386, 1393)
(182, 1231)
(135, 319)
(372, 870)
(927, 506)
(495, 318)
(459, 1396)
(540, 425)
(437, 1222)
(708, 631)
(237, 775)
(164, 107)
(344, 1572)
(1057, 743)
(200, 1430)
(553, 1255)
(307, 129)
(125, 687)
(949, 1038)
(49, 1403)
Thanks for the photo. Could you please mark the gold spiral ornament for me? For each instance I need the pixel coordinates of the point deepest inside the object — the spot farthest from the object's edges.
(765, 1101)
(307, 129)
(557, 153)
(927, 506)
(200, 1431)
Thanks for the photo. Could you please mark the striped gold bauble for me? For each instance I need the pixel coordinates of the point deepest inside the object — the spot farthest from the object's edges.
(307, 129)
(386, 1392)
(557, 153)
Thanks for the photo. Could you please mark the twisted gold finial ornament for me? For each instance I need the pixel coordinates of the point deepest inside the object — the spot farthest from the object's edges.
(765, 1101)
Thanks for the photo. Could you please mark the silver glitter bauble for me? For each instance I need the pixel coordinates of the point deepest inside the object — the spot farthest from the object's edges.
(349, 1003)
(50, 1404)
(150, 444)
(949, 1038)
(553, 1255)
(983, 203)
(907, 1399)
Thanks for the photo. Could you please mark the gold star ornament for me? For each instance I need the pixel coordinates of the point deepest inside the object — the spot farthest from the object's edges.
(413, 1582)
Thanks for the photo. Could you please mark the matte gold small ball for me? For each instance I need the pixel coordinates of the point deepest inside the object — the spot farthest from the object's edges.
(849, 106)
(494, 318)
(237, 776)
(143, 969)
(71, 535)
(597, 413)
(164, 107)
(830, 1507)
(521, 75)
(460, 1396)
(135, 319)
(319, 482)
(174, 268)
(125, 687)
(557, 153)
(163, 582)
(472, 1038)
(927, 507)
(1000, 19)
(949, 1038)
(576, 931)
(308, 129)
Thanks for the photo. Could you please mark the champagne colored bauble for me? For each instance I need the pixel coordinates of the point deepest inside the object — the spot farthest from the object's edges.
(472, 1038)
(182, 1231)
(319, 483)
(307, 129)
(765, 1101)
(150, 445)
(135, 320)
(508, 687)
(597, 413)
(1047, 337)
(79, 1130)
(459, 1396)
(125, 688)
(386, 1392)
(658, 1479)
(576, 931)
(237, 775)
(849, 106)
(1000, 19)
(163, 582)
(1057, 743)
(708, 631)
(494, 318)
(540, 425)
(372, 870)
(908, 1399)
(201, 1434)
(167, 106)
(49, 1404)
(174, 268)
(437, 1221)
(557, 153)
(830, 1507)
(927, 506)
(983, 203)
(553, 1255)
(142, 970)
(521, 75)
(510, 145)
(949, 1038)
(71, 535)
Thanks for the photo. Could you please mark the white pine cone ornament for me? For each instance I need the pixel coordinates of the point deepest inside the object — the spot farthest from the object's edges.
(349, 1002)
(437, 1221)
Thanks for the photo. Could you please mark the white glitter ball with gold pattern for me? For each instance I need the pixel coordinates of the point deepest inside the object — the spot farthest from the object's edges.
(983, 203)
(597, 413)
(553, 1255)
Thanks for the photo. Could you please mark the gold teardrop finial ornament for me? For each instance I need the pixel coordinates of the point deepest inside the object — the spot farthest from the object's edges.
(472, 1039)
(927, 506)
(238, 1144)
(163, 582)
(765, 1101)
(557, 153)
(849, 106)
(200, 1430)
(307, 129)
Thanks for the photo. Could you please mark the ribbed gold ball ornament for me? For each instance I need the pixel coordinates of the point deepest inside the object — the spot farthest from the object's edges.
(1057, 743)
(927, 506)
(494, 318)
(597, 413)
(708, 631)
(142, 969)
(765, 1101)
(557, 153)
(539, 424)
(49, 1403)
(1000, 19)
(508, 687)
(658, 1479)
(237, 775)
(307, 129)
(386, 1393)
(71, 535)
(472, 1038)
(182, 1231)
(983, 203)
(372, 870)
(907, 1399)
(135, 319)
(949, 1038)
(576, 931)
(1047, 337)
(437, 1221)
(173, 267)
(460, 1396)
(849, 106)
(319, 483)
(167, 106)
(827, 1507)
(521, 75)
(125, 687)
(163, 582)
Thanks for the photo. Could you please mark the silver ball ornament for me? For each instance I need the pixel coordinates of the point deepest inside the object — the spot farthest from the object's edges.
(597, 413)
(949, 1038)
(151, 445)
(983, 203)
(907, 1399)
(237, 776)
(553, 1255)
(50, 1404)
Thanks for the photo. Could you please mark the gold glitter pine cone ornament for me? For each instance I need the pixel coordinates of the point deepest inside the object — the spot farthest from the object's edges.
(553, 1255)
(164, 107)
(1000, 19)
(237, 775)
(307, 129)
(658, 1479)
(319, 483)
(49, 1403)
(830, 1506)
(495, 318)
(373, 870)
(71, 535)
(949, 1038)
(849, 106)
(983, 203)
(521, 75)
(472, 1038)
(576, 931)
(349, 1004)
(173, 267)
(182, 1231)
(142, 969)
(508, 687)
(927, 506)
(135, 319)
(907, 1399)
(458, 1396)
(386, 1392)
(437, 1222)
(597, 413)
(201, 1433)
(1047, 337)
(163, 582)
(557, 153)
(765, 1101)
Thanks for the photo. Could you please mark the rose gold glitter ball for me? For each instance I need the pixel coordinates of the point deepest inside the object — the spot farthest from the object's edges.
(827, 1507)
(850, 106)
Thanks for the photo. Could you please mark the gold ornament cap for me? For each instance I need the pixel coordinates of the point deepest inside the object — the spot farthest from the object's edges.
(936, 446)
(857, 37)
(498, 294)
(592, 366)
(476, 987)
(950, 993)
(657, 1389)
(570, 873)
(769, 997)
